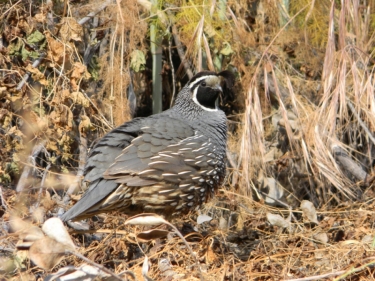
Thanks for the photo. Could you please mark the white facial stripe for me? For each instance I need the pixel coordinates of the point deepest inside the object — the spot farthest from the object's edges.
(198, 80)
(196, 101)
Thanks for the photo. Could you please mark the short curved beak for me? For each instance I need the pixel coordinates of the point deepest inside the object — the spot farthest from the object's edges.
(218, 88)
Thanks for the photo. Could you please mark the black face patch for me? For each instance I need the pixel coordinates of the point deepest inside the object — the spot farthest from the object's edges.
(206, 96)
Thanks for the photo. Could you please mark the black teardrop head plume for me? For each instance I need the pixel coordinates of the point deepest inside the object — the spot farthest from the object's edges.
(229, 78)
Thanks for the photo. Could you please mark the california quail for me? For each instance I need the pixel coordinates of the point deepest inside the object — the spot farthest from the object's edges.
(167, 163)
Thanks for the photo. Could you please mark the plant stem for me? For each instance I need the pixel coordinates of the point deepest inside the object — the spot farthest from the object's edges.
(156, 51)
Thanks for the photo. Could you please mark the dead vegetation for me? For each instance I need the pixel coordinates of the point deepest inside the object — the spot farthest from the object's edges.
(298, 200)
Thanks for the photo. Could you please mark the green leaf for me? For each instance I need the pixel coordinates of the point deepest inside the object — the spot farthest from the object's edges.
(217, 61)
(12, 168)
(227, 50)
(26, 54)
(35, 37)
(15, 48)
(94, 68)
(138, 60)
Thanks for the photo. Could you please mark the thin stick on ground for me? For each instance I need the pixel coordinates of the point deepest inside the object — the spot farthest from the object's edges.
(342, 273)
(102, 268)
(27, 75)
(317, 277)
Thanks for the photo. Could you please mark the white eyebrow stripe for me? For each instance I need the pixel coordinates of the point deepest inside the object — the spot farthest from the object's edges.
(200, 79)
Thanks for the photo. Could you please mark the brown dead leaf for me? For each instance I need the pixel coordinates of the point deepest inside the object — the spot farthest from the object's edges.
(71, 30)
(75, 97)
(63, 96)
(14, 131)
(19, 225)
(25, 26)
(85, 124)
(146, 219)
(277, 220)
(46, 252)
(309, 211)
(47, 201)
(152, 234)
(3, 92)
(37, 75)
(32, 233)
(79, 72)
(211, 256)
(327, 222)
(56, 50)
(62, 116)
(36, 125)
(52, 145)
(321, 237)
(167, 271)
(40, 17)
(5, 118)
(16, 103)
(11, 32)
(80, 99)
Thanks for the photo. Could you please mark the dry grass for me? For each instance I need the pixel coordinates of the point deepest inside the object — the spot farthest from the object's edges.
(301, 124)
(245, 247)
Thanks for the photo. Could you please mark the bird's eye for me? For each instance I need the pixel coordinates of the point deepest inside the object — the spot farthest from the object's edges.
(204, 84)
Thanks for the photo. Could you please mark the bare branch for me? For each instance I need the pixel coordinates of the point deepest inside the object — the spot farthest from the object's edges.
(30, 169)
(180, 51)
(172, 71)
(27, 75)
(3, 202)
(92, 14)
(43, 179)
(81, 168)
(102, 268)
